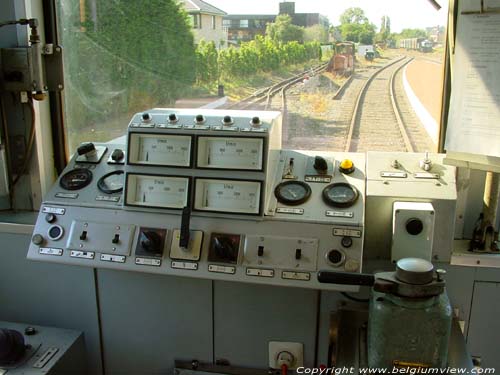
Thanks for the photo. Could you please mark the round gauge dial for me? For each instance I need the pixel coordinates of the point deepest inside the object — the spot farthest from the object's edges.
(340, 194)
(111, 182)
(292, 193)
(76, 179)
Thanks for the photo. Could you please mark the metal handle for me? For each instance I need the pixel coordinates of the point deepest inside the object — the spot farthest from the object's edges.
(184, 238)
(345, 278)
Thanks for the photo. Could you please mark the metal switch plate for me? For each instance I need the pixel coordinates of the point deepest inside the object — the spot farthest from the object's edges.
(194, 248)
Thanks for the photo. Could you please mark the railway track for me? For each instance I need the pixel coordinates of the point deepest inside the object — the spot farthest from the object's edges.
(263, 97)
(377, 122)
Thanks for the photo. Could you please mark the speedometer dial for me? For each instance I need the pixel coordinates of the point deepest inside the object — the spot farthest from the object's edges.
(292, 193)
(340, 194)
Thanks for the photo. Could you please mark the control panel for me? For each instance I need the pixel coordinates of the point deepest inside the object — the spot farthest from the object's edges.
(207, 194)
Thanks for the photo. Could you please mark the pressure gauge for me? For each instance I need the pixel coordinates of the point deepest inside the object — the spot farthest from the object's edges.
(340, 194)
(229, 196)
(111, 182)
(157, 191)
(76, 179)
(230, 153)
(160, 149)
(292, 193)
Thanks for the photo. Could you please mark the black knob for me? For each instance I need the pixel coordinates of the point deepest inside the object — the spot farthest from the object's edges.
(30, 331)
(414, 226)
(12, 346)
(200, 118)
(227, 120)
(50, 218)
(146, 117)
(224, 248)
(335, 257)
(117, 155)
(151, 242)
(172, 117)
(256, 120)
(320, 164)
(346, 241)
(85, 148)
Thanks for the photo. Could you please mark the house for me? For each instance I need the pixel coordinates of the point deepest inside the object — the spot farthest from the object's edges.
(244, 27)
(207, 22)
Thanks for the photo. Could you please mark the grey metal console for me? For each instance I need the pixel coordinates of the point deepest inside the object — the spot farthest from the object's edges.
(207, 194)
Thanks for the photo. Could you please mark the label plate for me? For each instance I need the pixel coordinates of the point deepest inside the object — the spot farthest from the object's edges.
(346, 232)
(260, 272)
(321, 179)
(107, 198)
(289, 210)
(67, 195)
(82, 254)
(113, 258)
(393, 174)
(290, 275)
(426, 176)
(185, 265)
(53, 210)
(148, 262)
(50, 251)
(347, 214)
(221, 269)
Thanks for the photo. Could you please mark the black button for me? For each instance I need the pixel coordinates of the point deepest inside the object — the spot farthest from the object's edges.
(346, 241)
(256, 120)
(227, 120)
(146, 116)
(117, 155)
(200, 118)
(414, 226)
(55, 232)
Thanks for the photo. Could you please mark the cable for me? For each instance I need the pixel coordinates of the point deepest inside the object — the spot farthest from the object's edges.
(355, 299)
(284, 369)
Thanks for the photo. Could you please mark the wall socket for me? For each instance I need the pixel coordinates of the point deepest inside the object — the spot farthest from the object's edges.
(294, 348)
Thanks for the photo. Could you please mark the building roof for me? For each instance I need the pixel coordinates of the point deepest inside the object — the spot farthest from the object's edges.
(250, 16)
(200, 6)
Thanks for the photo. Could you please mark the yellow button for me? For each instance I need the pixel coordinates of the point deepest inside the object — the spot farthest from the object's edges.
(346, 164)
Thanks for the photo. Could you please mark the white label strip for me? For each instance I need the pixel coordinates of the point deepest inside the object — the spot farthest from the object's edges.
(50, 251)
(339, 214)
(54, 210)
(394, 174)
(82, 254)
(291, 211)
(426, 175)
(148, 262)
(318, 179)
(45, 358)
(303, 276)
(221, 269)
(346, 232)
(260, 272)
(113, 258)
(107, 198)
(67, 195)
(185, 265)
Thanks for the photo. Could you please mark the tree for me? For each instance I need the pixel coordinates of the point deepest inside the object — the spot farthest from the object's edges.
(282, 30)
(316, 33)
(385, 30)
(412, 33)
(355, 26)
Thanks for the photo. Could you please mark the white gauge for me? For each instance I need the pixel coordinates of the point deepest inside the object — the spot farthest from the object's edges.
(160, 149)
(230, 153)
(157, 191)
(230, 196)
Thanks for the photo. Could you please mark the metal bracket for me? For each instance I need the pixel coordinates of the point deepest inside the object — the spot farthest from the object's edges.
(53, 59)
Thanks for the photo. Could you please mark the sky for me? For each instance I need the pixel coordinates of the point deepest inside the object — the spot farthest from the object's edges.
(403, 13)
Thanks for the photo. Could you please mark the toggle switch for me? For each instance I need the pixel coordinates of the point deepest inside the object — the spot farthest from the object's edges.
(83, 236)
(116, 239)
(298, 254)
(260, 251)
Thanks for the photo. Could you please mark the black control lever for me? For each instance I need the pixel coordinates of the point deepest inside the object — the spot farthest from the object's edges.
(184, 238)
(346, 278)
(320, 164)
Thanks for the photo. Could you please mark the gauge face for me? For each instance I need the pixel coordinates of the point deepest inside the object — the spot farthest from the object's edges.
(76, 179)
(111, 182)
(292, 193)
(228, 196)
(157, 191)
(160, 149)
(340, 194)
(230, 153)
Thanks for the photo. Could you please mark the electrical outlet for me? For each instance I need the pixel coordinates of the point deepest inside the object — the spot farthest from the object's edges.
(294, 348)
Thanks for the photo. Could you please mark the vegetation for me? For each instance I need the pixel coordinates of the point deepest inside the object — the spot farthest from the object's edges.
(412, 33)
(355, 26)
(283, 31)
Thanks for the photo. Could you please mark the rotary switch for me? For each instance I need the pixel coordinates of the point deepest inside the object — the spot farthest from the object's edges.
(151, 242)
